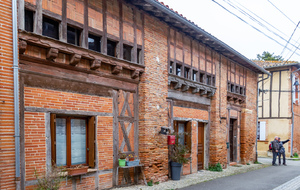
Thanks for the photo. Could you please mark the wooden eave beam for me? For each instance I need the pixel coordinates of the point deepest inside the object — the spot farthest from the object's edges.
(48, 43)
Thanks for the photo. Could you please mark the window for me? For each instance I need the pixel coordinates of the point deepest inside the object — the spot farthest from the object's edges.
(183, 129)
(171, 67)
(94, 43)
(232, 87)
(237, 89)
(178, 69)
(202, 77)
(241, 90)
(29, 21)
(50, 28)
(73, 35)
(208, 80)
(111, 48)
(139, 56)
(261, 130)
(186, 73)
(194, 75)
(213, 81)
(127, 52)
(72, 140)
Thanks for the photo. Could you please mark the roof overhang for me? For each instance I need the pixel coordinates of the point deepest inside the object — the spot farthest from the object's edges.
(172, 18)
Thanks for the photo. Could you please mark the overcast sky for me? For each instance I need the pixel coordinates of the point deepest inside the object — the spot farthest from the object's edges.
(265, 17)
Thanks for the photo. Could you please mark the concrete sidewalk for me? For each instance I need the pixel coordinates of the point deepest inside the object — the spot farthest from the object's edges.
(201, 176)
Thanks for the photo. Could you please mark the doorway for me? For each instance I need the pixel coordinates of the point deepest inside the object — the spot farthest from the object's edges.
(200, 146)
(233, 140)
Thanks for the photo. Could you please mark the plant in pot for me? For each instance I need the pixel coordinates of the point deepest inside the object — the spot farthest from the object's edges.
(133, 160)
(178, 158)
(122, 159)
(77, 170)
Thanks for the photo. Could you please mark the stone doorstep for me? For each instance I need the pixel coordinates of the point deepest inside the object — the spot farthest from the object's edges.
(233, 164)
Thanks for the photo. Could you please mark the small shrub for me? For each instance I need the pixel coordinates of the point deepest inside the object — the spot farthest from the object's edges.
(215, 168)
(248, 163)
(50, 179)
(296, 155)
(256, 162)
(150, 183)
(156, 183)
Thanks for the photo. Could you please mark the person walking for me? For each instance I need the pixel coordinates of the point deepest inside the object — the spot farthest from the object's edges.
(282, 151)
(275, 148)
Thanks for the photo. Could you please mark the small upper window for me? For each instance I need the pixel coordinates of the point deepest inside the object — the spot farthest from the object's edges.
(127, 52)
(178, 70)
(29, 21)
(202, 77)
(111, 48)
(139, 56)
(194, 75)
(171, 67)
(50, 28)
(186, 73)
(208, 80)
(94, 42)
(73, 35)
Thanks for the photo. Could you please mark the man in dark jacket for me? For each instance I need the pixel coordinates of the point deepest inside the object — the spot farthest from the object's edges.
(275, 149)
(282, 151)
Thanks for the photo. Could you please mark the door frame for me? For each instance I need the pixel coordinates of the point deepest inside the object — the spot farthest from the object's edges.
(206, 143)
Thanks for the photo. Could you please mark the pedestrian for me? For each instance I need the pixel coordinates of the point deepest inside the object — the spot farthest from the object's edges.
(275, 148)
(282, 151)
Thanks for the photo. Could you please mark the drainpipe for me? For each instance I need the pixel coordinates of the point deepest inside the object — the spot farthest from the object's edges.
(16, 87)
(292, 101)
(256, 154)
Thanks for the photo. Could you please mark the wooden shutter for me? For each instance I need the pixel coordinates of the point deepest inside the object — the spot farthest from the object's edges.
(188, 137)
(262, 135)
(53, 137)
(91, 142)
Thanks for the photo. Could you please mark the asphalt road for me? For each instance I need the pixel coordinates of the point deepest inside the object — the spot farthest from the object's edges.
(262, 179)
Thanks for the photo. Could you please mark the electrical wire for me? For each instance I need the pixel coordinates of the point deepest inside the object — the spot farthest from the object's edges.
(282, 12)
(253, 26)
(255, 20)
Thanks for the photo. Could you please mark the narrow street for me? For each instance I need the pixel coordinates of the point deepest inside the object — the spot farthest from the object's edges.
(274, 177)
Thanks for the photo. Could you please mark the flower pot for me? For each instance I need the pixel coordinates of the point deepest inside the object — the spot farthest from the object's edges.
(77, 171)
(122, 162)
(133, 163)
(175, 170)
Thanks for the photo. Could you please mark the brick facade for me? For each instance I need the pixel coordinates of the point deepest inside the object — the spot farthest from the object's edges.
(7, 149)
(129, 100)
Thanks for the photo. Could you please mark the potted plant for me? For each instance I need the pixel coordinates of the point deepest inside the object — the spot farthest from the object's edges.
(122, 159)
(77, 170)
(178, 158)
(132, 160)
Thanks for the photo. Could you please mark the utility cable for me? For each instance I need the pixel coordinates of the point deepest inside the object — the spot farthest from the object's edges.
(255, 20)
(251, 25)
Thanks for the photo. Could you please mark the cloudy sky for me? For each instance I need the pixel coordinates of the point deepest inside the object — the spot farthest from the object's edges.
(248, 26)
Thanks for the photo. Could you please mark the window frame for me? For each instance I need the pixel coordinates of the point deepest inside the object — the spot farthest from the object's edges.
(78, 35)
(49, 20)
(90, 139)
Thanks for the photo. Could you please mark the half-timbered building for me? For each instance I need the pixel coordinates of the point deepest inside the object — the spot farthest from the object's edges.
(99, 77)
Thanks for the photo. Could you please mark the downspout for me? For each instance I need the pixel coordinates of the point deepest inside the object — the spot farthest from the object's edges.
(292, 101)
(256, 154)
(16, 87)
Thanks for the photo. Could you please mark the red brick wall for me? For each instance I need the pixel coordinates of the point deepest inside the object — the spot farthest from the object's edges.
(218, 130)
(7, 150)
(190, 113)
(248, 121)
(153, 108)
(35, 146)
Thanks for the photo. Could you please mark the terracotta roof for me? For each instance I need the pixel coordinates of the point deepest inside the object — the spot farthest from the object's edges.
(273, 64)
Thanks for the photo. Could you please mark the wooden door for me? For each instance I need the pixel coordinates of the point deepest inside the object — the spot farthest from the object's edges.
(200, 146)
(233, 140)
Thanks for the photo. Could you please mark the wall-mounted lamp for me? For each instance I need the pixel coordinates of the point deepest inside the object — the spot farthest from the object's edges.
(296, 83)
(164, 130)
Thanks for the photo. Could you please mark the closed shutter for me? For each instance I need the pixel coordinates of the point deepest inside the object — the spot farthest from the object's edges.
(91, 142)
(53, 138)
(189, 135)
(262, 136)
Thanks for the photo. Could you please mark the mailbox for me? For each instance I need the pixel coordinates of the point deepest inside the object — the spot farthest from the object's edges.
(171, 139)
